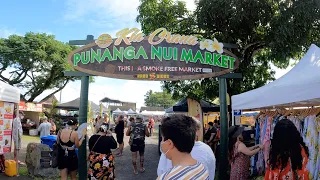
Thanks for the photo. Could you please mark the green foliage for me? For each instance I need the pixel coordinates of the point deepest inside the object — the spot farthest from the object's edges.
(266, 32)
(34, 62)
(158, 99)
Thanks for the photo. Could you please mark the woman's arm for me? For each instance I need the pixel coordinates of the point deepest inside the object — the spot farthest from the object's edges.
(78, 142)
(146, 131)
(128, 131)
(253, 147)
(243, 149)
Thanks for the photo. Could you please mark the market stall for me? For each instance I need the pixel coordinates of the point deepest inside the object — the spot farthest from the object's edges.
(280, 99)
(9, 100)
(31, 120)
(298, 88)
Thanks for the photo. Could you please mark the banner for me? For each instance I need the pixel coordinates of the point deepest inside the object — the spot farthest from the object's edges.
(195, 110)
(6, 119)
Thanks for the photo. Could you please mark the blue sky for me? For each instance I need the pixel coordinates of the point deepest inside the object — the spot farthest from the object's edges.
(75, 19)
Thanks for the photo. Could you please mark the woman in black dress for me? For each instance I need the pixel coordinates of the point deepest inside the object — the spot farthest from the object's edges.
(67, 157)
(120, 134)
(101, 158)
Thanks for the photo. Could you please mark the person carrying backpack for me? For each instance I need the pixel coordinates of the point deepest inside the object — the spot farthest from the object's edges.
(137, 132)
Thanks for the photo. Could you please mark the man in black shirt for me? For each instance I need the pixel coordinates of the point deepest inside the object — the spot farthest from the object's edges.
(210, 134)
(120, 134)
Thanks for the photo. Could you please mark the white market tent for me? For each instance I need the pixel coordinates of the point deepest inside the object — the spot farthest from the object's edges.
(300, 87)
(131, 112)
(117, 111)
(9, 93)
(152, 113)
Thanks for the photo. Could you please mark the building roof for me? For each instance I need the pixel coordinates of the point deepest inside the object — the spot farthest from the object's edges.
(122, 108)
(109, 100)
(48, 100)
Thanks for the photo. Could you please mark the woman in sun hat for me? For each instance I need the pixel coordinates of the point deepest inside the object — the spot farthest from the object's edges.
(239, 154)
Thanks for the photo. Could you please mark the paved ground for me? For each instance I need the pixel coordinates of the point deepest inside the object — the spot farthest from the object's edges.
(124, 169)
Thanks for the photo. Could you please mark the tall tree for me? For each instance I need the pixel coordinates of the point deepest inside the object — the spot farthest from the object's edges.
(34, 62)
(266, 32)
(158, 99)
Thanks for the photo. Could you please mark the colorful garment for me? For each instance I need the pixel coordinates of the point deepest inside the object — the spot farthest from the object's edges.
(240, 165)
(101, 166)
(287, 173)
(312, 143)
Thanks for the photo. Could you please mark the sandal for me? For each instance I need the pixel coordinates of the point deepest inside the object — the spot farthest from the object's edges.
(135, 172)
(142, 170)
(119, 154)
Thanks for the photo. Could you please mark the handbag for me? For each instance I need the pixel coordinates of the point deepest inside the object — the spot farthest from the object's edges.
(55, 152)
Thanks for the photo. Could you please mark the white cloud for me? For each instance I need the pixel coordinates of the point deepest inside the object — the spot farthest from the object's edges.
(124, 90)
(5, 32)
(107, 13)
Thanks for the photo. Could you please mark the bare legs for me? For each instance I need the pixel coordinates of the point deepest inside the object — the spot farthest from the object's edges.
(73, 175)
(141, 162)
(64, 174)
(120, 149)
(134, 162)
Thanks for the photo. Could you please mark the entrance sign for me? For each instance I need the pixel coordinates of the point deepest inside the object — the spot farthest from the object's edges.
(159, 56)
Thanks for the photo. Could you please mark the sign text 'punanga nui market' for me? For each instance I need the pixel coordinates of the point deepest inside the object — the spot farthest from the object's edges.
(160, 56)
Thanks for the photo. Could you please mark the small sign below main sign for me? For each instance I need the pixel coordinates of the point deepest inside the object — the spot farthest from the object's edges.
(160, 56)
(237, 112)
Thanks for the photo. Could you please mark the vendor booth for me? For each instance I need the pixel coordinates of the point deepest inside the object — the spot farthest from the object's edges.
(9, 100)
(294, 96)
(298, 88)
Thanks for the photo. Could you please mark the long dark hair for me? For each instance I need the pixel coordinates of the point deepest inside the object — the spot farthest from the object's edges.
(232, 141)
(286, 143)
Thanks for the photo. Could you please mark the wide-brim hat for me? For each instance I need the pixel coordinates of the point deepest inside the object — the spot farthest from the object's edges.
(235, 131)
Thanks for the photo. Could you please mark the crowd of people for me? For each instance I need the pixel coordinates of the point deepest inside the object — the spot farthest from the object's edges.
(183, 154)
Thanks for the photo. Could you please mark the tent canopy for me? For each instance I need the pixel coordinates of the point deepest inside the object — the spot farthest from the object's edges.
(182, 106)
(75, 105)
(117, 111)
(9, 93)
(130, 111)
(298, 88)
(152, 113)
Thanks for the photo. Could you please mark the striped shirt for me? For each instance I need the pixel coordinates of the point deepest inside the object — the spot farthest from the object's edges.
(194, 172)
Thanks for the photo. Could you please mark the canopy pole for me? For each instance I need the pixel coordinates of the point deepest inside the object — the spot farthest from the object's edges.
(233, 120)
(224, 128)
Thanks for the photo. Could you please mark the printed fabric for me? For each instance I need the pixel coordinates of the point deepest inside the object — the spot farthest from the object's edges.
(287, 173)
(101, 166)
(138, 131)
(312, 143)
(240, 165)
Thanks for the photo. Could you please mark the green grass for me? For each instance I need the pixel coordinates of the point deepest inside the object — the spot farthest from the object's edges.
(31, 138)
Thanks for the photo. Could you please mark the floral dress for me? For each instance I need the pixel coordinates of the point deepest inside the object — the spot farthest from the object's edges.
(287, 174)
(240, 165)
(101, 166)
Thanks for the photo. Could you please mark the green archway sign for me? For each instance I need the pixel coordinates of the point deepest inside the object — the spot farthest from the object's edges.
(159, 56)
